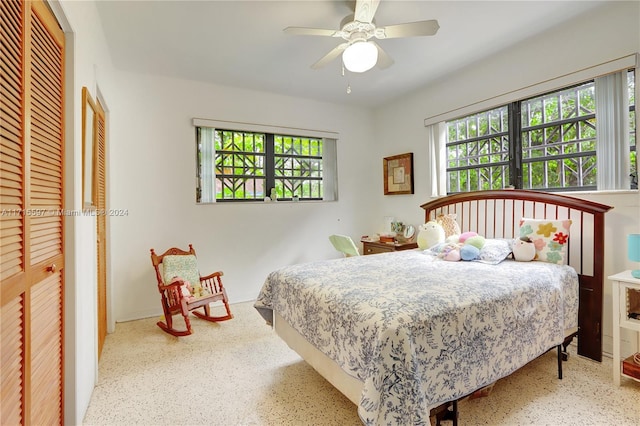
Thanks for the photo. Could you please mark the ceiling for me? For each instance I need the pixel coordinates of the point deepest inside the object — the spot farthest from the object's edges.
(241, 43)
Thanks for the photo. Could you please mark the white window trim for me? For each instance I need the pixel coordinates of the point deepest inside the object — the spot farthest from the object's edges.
(263, 128)
(533, 90)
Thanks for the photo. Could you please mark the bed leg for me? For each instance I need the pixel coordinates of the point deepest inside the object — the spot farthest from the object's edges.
(560, 362)
(567, 342)
(455, 413)
(449, 413)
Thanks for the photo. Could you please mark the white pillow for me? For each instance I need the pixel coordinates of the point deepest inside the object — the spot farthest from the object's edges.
(494, 251)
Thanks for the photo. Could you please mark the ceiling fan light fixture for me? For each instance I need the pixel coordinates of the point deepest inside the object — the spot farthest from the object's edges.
(360, 56)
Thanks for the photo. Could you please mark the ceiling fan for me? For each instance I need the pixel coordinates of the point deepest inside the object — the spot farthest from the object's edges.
(359, 52)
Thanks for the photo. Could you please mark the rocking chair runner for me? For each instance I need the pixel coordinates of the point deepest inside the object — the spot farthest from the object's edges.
(178, 268)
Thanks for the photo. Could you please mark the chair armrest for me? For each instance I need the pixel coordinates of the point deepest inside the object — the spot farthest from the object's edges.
(213, 283)
(215, 274)
(174, 287)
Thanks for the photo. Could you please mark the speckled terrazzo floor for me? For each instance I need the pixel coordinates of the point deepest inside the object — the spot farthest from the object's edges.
(240, 373)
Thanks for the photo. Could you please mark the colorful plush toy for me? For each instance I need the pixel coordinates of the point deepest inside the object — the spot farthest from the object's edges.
(450, 252)
(524, 250)
(185, 288)
(431, 233)
(465, 246)
(469, 252)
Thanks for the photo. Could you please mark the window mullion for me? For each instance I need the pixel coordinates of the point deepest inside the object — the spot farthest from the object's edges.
(515, 145)
(269, 163)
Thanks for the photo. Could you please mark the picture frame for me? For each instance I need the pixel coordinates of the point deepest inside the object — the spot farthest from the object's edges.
(89, 153)
(398, 174)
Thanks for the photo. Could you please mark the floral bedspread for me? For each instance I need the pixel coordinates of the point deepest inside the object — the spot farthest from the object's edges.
(419, 331)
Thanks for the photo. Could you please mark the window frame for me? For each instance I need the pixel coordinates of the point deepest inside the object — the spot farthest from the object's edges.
(516, 163)
(322, 167)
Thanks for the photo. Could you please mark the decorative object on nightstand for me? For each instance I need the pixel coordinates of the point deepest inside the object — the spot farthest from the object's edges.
(633, 241)
(408, 234)
(626, 315)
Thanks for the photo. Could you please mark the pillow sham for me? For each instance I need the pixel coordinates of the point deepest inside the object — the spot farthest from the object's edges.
(494, 251)
(550, 238)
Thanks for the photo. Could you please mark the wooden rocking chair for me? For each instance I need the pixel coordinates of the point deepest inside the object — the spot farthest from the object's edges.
(183, 290)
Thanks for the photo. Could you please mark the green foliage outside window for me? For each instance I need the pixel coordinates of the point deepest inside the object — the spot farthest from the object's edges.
(298, 167)
(249, 165)
(556, 143)
(478, 151)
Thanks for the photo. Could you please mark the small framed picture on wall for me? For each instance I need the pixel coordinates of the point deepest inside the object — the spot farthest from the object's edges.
(398, 174)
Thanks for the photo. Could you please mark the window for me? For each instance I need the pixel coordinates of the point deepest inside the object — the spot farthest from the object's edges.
(547, 142)
(478, 151)
(237, 165)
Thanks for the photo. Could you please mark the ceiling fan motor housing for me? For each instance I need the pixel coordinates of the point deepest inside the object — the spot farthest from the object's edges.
(358, 31)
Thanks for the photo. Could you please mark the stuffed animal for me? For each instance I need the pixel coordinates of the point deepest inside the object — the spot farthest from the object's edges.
(431, 233)
(469, 252)
(476, 241)
(524, 250)
(449, 224)
(465, 246)
(185, 288)
(463, 237)
(450, 252)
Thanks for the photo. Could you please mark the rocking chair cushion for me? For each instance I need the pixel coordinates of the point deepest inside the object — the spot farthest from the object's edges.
(183, 266)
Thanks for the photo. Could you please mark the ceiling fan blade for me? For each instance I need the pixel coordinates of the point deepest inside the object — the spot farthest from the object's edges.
(311, 31)
(384, 60)
(330, 56)
(365, 9)
(411, 29)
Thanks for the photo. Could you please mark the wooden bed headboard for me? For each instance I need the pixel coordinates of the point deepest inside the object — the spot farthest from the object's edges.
(497, 214)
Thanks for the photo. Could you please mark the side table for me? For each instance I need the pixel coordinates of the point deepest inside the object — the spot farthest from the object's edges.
(374, 247)
(626, 315)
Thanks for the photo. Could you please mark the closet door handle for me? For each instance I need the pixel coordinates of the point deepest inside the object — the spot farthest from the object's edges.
(51, 268)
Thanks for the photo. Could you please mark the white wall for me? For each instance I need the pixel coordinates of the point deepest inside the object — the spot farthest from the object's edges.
(153, 162)
(607, 33)
(87, 64)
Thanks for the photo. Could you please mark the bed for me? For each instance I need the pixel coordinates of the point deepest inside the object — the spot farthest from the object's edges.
(404, 334)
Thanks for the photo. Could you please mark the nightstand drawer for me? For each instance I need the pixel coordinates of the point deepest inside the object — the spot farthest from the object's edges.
(376, 247)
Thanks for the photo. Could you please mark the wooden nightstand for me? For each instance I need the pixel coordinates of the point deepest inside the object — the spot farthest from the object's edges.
(626, 315)
(375, 247)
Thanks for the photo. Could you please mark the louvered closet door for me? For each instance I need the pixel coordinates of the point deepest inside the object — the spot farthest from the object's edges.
(31, 193)
(12, 239)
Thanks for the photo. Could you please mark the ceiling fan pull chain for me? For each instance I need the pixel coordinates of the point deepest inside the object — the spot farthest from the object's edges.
(348, 82)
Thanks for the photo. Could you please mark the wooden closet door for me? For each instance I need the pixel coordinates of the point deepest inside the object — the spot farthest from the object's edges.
(31, 197)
